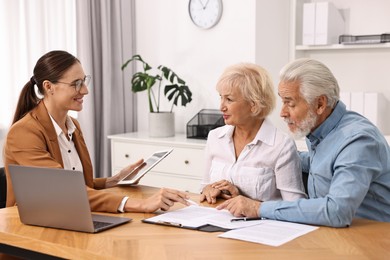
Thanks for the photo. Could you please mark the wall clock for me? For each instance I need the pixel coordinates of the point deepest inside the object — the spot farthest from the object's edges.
(205, 13)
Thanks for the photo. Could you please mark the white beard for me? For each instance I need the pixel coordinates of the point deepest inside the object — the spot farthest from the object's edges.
(304, 128)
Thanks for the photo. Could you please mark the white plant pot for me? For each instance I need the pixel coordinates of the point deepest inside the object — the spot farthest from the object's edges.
(161, 124)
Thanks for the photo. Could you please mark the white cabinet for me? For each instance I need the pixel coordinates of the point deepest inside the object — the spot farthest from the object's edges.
(183, 169)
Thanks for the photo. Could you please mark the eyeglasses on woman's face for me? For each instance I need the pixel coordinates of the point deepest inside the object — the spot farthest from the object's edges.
(77, 84)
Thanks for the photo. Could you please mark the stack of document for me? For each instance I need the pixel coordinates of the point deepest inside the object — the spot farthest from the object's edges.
(372, 105)
(322, 24)
(269, 232)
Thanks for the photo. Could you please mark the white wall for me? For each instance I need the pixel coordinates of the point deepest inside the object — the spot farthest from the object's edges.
(249, 31)
(272, 43)
(256, 31)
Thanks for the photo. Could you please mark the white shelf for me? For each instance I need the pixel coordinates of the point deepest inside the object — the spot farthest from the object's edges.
(363, 67)
(342, 47)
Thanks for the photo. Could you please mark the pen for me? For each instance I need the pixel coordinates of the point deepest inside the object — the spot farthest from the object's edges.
(168, 223)
(192, 202)
(244, 219)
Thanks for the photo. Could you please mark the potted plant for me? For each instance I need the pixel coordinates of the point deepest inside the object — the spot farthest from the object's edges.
(175, 90)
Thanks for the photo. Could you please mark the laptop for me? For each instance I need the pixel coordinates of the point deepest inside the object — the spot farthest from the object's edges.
(56, 198)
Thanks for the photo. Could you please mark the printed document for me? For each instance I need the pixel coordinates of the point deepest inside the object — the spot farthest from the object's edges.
(197, 216)
(270, 232)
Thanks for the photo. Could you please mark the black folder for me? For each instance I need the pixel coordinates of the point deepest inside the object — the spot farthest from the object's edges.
(204, 228)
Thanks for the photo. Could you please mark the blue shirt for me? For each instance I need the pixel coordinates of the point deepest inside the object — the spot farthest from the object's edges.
(348, 162)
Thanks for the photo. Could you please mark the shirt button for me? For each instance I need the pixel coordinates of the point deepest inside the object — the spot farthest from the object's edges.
(74, 168)
(69, 151)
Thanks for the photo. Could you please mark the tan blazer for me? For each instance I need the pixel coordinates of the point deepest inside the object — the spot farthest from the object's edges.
(33, 141)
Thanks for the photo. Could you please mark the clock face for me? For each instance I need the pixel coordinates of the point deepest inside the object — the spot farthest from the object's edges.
(205, 13)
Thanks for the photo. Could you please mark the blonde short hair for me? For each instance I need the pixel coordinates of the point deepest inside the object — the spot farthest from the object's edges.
(254, 83)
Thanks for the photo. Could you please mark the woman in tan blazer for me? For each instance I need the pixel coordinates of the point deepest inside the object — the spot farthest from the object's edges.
(42, 134)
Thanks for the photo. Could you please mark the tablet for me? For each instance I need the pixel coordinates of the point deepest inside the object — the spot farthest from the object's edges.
(134, 176)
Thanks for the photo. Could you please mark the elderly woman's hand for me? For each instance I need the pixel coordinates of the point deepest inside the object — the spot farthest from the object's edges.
(210, 194)
(228, 190)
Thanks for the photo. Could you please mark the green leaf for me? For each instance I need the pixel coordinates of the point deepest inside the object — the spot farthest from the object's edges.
(170, 75)
(143, 80)
(178, 91)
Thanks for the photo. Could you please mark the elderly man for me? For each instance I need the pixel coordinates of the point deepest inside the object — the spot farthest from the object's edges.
(348, 159)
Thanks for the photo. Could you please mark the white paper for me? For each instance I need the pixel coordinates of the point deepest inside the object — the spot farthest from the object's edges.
(270, 232)
(196, 216)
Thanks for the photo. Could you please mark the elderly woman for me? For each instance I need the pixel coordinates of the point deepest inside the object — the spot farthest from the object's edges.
(249, 156)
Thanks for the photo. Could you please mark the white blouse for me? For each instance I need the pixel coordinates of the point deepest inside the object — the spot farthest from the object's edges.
(268, 168)
(70, 156)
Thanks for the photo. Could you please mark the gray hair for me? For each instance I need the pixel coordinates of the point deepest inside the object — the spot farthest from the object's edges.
(315, 79)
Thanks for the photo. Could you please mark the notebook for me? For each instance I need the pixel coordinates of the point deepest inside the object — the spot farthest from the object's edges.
(56, 198)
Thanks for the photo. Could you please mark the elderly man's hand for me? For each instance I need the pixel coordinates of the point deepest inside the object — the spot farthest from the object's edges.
(241, 206)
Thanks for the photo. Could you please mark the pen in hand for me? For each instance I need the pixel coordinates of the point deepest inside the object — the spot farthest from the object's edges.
(244, 219)
(191, 202)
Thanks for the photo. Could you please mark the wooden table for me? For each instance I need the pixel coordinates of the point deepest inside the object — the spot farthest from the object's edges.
(135, 240)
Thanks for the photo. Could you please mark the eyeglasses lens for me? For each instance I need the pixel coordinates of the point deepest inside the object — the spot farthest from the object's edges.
(79, 83)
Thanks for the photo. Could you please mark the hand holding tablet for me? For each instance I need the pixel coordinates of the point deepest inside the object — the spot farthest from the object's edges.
(134, 176)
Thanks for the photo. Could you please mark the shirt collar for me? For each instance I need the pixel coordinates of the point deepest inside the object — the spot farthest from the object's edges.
(69, 124)
(227, 131)
(266, 133)
(327, 126)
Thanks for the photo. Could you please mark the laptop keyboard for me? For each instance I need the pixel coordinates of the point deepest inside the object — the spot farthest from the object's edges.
(99, 224)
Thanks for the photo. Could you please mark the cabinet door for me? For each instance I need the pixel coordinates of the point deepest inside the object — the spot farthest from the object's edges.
(124, 153)
(179, 182)
(182, 161)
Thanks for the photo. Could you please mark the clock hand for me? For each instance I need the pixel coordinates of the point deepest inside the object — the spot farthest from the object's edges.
(200, 1)
(205, 6)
